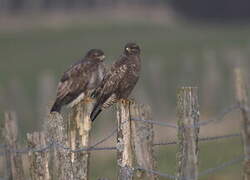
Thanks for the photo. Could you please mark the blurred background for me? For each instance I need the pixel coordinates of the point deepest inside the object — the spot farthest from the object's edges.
(184, 43)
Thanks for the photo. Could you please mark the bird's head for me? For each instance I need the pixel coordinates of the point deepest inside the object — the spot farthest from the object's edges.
(132, 49)
(96, 54)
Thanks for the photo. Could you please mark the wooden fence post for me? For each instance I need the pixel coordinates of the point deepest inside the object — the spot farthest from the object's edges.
(188, 117)
(143, 136)
(124, 144)
(13, 160)
(56, 132)
(79, 126)
(38, 161)
(242, 98)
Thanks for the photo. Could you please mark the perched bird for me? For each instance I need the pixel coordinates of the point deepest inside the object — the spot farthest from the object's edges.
(119, 81)
(80, 80)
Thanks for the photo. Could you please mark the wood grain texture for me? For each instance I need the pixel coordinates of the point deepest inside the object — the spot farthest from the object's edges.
(79, 127)
(124, 144)
(13, 160)
(188, 117)
(143, 136)
(38, 161)
(56, 132)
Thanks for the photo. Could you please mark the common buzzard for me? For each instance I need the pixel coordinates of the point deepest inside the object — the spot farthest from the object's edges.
(80, 80)
(119, 80)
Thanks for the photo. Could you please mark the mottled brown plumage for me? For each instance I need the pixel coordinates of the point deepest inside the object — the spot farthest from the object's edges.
(119, 81)
(80, 80)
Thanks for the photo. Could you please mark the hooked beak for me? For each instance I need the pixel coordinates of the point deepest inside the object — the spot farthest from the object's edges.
(128, 49)
(102, 57)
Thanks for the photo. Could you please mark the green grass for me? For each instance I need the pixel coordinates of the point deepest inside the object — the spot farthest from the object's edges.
(211, 154)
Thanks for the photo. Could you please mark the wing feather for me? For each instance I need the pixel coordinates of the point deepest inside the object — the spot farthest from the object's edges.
(73, 81)
(105, 93)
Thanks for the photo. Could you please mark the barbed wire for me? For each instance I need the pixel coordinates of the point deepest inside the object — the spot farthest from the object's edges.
(53, 144)
(57, 144)
(203, 173)
(91, 148)
(167, 124)
(106, 138)
(27, 150)
(218, 118)
(222, 166)
(201, 139)
(166, 175)
(219, 137)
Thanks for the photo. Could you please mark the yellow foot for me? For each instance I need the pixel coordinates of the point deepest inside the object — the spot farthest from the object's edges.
(132, 100)
(127, 101)
(123, 101)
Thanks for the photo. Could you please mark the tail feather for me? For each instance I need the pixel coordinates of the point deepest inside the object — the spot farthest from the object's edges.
(97, 107)
(95, 113)
(56, 108)
(103, 102)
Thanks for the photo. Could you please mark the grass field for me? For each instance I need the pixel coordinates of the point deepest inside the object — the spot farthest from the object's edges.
(25, 54)
(211, 155)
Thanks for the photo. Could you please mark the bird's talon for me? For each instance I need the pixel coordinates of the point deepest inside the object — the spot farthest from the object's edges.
(127, 101)
(132, 101)
(123, 101)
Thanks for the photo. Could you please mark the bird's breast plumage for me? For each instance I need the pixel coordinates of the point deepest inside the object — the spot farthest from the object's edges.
(117, 83)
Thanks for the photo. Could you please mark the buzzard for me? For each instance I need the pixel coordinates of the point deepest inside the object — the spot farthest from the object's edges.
(119, 81)
(80, 80)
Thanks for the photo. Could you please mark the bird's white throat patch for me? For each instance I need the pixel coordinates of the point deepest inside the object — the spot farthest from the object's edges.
(76, 101)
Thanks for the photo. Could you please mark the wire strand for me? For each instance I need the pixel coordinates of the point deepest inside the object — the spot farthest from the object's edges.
(94, 148)
(218, 118)
(222, 166)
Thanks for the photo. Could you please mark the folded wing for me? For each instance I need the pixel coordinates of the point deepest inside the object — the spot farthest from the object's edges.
(105, 94)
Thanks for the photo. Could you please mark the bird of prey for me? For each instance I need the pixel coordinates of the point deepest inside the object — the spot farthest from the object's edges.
(119, 81)
(80, 80)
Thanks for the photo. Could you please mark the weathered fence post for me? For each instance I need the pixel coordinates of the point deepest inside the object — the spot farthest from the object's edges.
(143, 136)
(188, 117)
(242, 98)
(13, 160)
(38, 161)
(56, 132)
(79, 126)
(124, 144)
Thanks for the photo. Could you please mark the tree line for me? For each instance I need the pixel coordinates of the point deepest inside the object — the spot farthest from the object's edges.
(17, 6)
